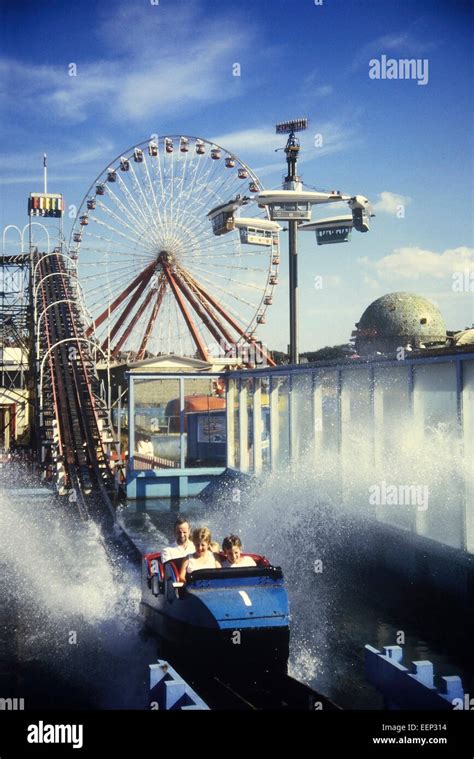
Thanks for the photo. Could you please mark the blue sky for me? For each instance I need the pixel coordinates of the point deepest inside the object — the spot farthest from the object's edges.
(167, 68)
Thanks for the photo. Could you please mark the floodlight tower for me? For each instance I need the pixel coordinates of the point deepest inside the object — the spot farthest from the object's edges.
(292, 182)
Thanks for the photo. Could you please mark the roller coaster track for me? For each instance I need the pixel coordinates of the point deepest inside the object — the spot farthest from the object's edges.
(73, 422)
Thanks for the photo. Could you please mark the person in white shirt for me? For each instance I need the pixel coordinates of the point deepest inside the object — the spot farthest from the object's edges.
(183, 546)
(232, 547)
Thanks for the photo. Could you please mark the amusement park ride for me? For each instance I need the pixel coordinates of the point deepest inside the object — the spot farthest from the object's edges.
(156, 277)
(292, 204)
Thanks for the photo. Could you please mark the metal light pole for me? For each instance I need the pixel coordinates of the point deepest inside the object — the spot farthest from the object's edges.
(45, 173)
(292, 182)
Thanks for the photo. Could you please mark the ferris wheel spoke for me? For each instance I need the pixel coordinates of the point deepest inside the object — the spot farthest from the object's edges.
(127, 310)
(221, 191)
(226, 266)
(122, 207)
(112, 265)
(163, 193)
(240, 330)
(206, 318)
(110, 276)
(229, 244)
(212, 194)
(145, 276)
(224, 312)
(198, 170)
(114, 256)
(133, 220)
(201, 294)
(184, 168)
(202, 180)
(115, 231)
(152, 222)
(135, 229)
(120, 271)
(126, 248)
(227, 293)
(108, 286)
(186, 315)
(239, 254)
(133, 323)
(171, 184)
(131, 200)
(179, 210)
(151, 321)
(250, 285)
(152, 191)
(210, 302)
(185, 197)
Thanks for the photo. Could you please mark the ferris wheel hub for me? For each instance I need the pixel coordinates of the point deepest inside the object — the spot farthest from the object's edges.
(165, 257)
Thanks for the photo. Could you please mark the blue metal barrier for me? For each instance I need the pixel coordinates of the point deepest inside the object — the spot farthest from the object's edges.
(403, 689)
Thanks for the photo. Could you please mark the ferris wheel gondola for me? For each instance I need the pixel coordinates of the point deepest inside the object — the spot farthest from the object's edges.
(155, 277)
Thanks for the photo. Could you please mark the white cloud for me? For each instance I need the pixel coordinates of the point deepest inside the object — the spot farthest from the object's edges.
(254, 140)
(323, 90)
(18, 164)
(313, 87)
(412, 262)
(371, 283)
(101, 150)
(390, 202)
(145, 75)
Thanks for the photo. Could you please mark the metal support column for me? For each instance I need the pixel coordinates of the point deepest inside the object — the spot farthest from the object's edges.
(257, 426)
(293, 271)
(182, 418)
(243, 428)
(230, 410)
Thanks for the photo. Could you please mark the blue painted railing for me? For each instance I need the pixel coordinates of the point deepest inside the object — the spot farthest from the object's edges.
(403, 689)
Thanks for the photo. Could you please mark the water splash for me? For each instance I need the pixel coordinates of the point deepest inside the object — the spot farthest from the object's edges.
(75, 609)
(302, 518)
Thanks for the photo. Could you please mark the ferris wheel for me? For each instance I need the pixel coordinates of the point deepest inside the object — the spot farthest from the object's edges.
(174, 255)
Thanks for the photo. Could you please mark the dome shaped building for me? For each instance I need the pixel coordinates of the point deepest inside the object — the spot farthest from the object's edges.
(399, 320)
(464, 338)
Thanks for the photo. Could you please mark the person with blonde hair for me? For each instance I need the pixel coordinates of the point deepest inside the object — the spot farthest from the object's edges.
(232, 547)
(202, 558)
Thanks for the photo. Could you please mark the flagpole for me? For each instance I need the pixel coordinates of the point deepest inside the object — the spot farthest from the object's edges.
(45, 172)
